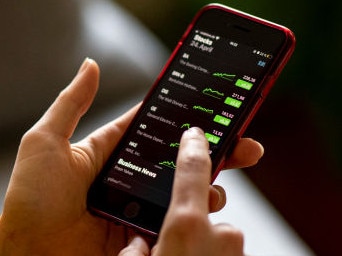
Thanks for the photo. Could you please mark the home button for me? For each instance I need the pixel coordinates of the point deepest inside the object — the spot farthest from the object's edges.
(131, 210)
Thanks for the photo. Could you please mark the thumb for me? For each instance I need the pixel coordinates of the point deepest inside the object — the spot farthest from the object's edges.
(62, 117)
(136, 247)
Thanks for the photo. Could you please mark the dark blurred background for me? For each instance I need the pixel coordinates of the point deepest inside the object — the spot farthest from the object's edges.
(300, 123)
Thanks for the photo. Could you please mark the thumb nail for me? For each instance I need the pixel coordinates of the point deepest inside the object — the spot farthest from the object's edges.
(87, 61)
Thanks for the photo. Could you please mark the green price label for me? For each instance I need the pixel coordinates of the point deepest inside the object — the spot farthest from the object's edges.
(233, 102)
(243, 84)
(212, 138)
(222, 120)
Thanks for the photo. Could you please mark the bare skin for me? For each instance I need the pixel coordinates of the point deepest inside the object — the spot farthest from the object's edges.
(45, 209)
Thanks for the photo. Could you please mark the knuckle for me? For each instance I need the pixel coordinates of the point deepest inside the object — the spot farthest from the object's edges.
(31, 136)
(231, 236)
(188, 219)
(195, 157)
(35, 139)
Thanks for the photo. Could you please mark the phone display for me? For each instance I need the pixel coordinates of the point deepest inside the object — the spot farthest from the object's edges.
(216, 79)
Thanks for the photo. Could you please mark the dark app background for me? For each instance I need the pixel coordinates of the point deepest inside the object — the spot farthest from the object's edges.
(209, 83)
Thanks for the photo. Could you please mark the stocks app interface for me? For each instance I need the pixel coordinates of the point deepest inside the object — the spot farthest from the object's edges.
(207, 85)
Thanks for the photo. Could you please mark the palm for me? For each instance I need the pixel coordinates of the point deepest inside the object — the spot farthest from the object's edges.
(60, 216)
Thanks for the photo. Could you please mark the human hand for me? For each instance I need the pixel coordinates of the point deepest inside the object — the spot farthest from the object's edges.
(45, 209)
(186, 229)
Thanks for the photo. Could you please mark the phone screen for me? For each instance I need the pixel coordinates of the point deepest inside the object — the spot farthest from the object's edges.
(213, 80)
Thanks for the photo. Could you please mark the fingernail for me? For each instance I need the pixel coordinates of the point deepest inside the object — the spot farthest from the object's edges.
(221, 195)
(195, 131)
(84, 65)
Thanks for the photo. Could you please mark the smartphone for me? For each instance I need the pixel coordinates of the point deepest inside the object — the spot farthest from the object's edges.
(220, 72)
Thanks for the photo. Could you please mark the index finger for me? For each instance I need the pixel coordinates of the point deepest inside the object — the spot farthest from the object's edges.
(193, 171)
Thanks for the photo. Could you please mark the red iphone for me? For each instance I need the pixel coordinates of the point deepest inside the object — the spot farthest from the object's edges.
(217, 77)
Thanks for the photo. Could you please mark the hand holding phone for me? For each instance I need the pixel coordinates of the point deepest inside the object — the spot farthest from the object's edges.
(47, 191)
(186, 228)
(216, 79)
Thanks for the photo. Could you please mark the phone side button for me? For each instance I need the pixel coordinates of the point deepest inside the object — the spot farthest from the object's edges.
(131, 210)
